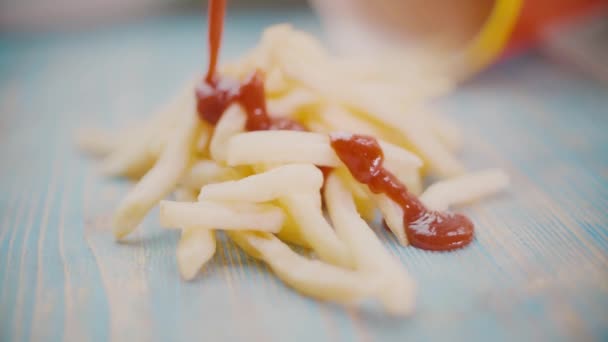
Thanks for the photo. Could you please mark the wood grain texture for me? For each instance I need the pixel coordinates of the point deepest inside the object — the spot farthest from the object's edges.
(538, 269)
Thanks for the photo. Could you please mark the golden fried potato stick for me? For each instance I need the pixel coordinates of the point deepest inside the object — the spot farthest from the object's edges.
(231, 123)
(291, 232)
(305, 208)
(393, 216)
(370, 257)
(196, 246)
(194, 249)
(263, 147)
(464, 189)
(161, 179)
(97, 142)
(135, 154)
(310, 277)
(221, 216)
(266, 186)
(290, 103)
(207, 171)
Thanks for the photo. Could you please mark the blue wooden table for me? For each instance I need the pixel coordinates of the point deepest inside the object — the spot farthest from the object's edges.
(538, 269)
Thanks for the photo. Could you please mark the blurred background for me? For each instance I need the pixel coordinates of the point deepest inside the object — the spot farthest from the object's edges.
(470, 34)
(64, 14)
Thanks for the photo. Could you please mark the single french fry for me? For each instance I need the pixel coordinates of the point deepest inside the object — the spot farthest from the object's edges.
(132, 160)
(266, 186)
(339, 118)
(275, 85)
(96, 141)
(309, 277)
(196, 246)
(201, 146)
(305, 208)
(262, 57)
(290, 232)
(369, 255)
(132, 156)
(160, 180)
(261, 147)
(221, 216)
(205, 172)
(231, 123)
(464, 189)
(411, 178)
(194, 249)
(363, 201)
(158, 144)
(287, 105)
(393, 216)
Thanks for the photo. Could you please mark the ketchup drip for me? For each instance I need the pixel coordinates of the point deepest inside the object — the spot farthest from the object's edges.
(217, 9)
(215, 94)
(426, 229)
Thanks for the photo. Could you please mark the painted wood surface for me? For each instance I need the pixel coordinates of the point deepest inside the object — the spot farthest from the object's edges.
(538, 269)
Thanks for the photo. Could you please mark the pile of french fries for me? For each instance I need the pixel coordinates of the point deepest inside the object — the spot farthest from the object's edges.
(264, 190)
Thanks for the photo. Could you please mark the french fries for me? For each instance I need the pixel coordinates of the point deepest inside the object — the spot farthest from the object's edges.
(212, 215)
(196, 246)
(264, 189)
(160, 180)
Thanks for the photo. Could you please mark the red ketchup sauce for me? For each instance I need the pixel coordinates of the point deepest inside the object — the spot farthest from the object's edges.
(426, 229)
(215, 94)
(362, 155)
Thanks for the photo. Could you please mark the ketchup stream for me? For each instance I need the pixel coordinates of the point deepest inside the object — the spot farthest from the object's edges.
(362, 155)
(216, 93)
(217, 9)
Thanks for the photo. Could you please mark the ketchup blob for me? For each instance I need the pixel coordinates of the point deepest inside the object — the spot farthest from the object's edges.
(425, 228)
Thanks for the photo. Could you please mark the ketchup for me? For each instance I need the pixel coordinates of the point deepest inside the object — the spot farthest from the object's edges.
(426, 229)
(217, 9)
(362, 155)
(215, 94)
